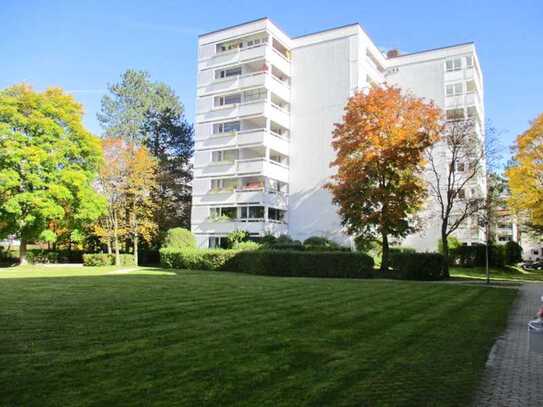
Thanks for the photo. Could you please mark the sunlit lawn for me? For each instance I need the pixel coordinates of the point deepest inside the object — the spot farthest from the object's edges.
(80, 336)
(514, 274)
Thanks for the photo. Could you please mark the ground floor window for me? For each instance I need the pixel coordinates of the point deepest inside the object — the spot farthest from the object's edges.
(218, 242)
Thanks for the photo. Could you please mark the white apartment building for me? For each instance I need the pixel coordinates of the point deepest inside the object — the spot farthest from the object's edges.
(266, 105)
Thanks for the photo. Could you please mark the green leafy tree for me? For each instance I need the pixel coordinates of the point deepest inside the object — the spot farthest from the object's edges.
(179, 238)
(150, 114)
(48, 162)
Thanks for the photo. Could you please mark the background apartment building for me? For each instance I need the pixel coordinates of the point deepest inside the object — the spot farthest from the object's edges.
(266, 105)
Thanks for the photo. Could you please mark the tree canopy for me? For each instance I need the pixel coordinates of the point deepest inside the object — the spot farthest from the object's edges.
(380, 144)
(526, 175)
(48, 162)
(149, 113)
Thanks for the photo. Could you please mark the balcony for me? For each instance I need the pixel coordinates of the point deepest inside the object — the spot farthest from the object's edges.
(256, 226)
(252, 166)
(261, 107)
(272, 79)
(261, 51)
(239, 196)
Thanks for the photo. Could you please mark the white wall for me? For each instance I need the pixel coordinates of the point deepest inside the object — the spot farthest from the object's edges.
(321, 83)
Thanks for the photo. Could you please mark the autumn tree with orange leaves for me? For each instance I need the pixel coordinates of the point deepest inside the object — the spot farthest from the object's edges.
(526, 176)
(380, 147)
(127, 181)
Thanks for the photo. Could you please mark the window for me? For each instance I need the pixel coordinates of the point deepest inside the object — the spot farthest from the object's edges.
(217, 156)
(228, 99)
(226, 127)
(276, 214)
(470, 86)
(455, 89)
(453, 64)
(216, 242)
(455, 114)
(460, 167)
(227, 73)
(227, 212)
(469, 62)
(461, 194)
(255, 94)
(251, 212)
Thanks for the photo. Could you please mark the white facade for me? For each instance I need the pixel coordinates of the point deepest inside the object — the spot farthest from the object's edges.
(266, 105)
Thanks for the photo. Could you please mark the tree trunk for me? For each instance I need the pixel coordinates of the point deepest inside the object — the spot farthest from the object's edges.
(22, 252)
(116, 240)
(385, 253)
(108, 245)
(136, 248)
(445, 244)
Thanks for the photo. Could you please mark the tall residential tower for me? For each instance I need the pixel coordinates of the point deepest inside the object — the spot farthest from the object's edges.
(266, 105)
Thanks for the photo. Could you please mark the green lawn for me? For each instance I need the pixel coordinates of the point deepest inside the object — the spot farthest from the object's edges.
(83, 337)
(514, 274)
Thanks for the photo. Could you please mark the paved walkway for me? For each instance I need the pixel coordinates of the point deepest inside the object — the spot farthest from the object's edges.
(514, 375)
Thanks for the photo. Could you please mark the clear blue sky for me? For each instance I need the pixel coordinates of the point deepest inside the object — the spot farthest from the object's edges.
(84, 45)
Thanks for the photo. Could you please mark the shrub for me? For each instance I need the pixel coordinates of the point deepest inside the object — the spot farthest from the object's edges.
(105, 259)
(271, 262)
(417, 266)
(98, 259)
(237, 236)
(283, 242)
(195, 259)
(317, 243)
(475, 256)
(291, 263)
(268, 240)
(179, 238)
(453, 243)
(248, 245)
(513, 253)
(54, 256)
(401, 249)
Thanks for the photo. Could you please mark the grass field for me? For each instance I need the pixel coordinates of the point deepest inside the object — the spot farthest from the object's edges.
(514, 274)
(84, 337)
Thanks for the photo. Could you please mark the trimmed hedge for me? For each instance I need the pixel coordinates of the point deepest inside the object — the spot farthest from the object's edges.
(475, 256)
(196, 259)
(54, 256)
(417, 266)
(105, 259)
(291, 263)
(287, 263)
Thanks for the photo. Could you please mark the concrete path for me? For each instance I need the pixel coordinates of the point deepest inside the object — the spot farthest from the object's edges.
(514, 375)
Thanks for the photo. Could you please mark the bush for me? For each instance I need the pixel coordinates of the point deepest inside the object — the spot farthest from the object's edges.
(179, 238)
(54, 256)
(283, 242)
(453, 243)
(291, 263)
(98, 259)
(237, 236)
(401, 249)
(105, 259)
(513, 253)
(317, 243)
(248, 245)
(196, 259)
(475, 256)
(271, 262)
(417, 266)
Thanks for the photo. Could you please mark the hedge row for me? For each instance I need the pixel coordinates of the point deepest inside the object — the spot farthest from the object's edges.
(417, 266)
(54, 256)
(104, 259)
(475, 256)
(287, 263)
(335, 264)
